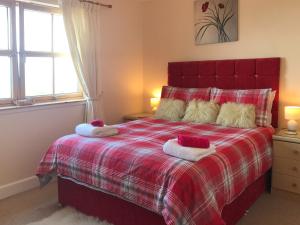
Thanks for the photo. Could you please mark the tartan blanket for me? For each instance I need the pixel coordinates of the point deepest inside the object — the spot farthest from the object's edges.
(133, 166)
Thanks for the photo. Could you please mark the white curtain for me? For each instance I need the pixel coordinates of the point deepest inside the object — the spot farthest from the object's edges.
(82, 26)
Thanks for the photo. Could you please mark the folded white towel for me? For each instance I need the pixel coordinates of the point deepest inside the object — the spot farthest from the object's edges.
(171, 147)
(89, 130)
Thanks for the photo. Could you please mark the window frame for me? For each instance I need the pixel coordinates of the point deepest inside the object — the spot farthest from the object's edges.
(18, 58)
(11, 52)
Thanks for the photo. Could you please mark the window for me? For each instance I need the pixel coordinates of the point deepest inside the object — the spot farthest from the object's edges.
(35, 60)
(5, 54)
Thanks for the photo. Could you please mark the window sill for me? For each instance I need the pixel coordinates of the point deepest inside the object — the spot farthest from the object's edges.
(41, 106)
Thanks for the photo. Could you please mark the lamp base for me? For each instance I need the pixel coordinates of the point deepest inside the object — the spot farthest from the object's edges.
(292, 127)
(288, 132)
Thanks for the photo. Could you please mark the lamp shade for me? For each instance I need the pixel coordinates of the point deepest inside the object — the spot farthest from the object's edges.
(154, 102)
(292, 112)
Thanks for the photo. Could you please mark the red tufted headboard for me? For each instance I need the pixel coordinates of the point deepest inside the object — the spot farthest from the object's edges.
(229, 74)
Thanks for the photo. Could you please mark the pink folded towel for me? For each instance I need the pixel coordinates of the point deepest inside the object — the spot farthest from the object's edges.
(97, 123)
(193, 141)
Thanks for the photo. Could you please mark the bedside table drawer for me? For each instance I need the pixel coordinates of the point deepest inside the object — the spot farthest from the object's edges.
(287, 149)
(285, 182)
(286, 166)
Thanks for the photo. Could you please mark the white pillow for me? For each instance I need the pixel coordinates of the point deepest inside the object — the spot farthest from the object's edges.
(201, 112)
(237, 115)
(170, 109)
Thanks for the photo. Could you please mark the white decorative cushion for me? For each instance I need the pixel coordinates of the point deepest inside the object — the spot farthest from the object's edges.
(237, 115)
(201, 112)
(170, 109)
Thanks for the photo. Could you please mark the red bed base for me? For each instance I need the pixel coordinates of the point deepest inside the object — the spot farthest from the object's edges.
(119, 212)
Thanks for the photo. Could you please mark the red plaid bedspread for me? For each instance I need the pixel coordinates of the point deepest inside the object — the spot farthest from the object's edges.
(133, 166)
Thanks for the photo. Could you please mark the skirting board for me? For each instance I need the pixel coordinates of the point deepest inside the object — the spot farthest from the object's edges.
(19, 187)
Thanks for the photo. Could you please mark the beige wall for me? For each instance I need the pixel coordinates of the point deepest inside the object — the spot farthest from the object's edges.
(121, 59)
(267, 28)
(27, 133)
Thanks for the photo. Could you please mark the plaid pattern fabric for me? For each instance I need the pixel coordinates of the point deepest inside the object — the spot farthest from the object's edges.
(133, 166)
(257, 97)
(185, 94)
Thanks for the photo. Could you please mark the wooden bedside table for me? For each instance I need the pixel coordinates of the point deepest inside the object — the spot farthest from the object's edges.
(286, 162)
(137, 116)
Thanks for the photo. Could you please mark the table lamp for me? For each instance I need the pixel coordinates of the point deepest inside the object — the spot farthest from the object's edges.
(292, 113)
(154, 102)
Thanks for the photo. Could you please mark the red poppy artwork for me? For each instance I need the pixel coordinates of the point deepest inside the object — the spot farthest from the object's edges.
(216, 21)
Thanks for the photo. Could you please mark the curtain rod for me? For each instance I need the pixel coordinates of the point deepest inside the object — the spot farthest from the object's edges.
(96, 3)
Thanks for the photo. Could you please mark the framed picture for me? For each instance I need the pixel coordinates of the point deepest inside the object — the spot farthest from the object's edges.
(216, 21)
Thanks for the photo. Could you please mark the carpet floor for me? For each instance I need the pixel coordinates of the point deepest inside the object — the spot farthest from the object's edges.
(69, 216)
(278, 208)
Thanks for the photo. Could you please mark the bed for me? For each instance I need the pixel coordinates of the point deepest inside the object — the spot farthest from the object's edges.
(134, 182)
